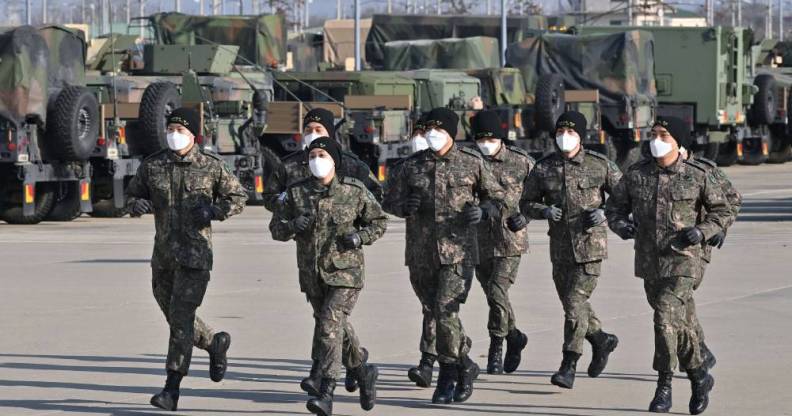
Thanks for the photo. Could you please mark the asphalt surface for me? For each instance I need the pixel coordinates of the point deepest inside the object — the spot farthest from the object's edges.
(82, 334)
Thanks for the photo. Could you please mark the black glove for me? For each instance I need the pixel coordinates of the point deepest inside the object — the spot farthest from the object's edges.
(202, 215)
(553, 213)
(516, 222)
(302, 223)
(691, 236)
(412, 204)
(142, 206)
(717, 240)
(351, 241)
(624, 229)
(593, 217)
(472, 214)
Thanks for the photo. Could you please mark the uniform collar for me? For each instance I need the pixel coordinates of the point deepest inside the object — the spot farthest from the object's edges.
(675, 167)
(578, 159)
(190, 157)
(500, 156)
(450, 155)
(330, 189)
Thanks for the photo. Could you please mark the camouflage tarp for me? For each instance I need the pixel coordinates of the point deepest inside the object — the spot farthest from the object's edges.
(339, 40)
(23, 74)
(67, 50)
(389, 28)
(469, 53)
(261, 39)
(618, 65)
(306, 51)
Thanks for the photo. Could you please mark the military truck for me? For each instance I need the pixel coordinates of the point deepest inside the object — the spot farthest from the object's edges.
(48, 122)
(773, 80)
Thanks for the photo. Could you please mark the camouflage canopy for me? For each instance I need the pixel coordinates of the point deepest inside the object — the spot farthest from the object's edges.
(618, 65)
(469, 53)
(261, 39)
(67, 51)
(23, 74)
(388, 28)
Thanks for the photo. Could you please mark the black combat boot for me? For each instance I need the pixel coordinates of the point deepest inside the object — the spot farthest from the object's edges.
(495, 357)
(367, 375)
(218, 362)
(444, 391)
(312, 383)
(515, 343)
(661, 403)
(168, 398)
(565, 377)
(422, 374)
(467, 371)
(350, 382)
(602, 344)
(322, 405)
(701, 383)
(707, 356)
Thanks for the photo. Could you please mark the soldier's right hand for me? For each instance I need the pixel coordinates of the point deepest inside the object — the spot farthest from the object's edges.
(553, 213)
(302, 223)
(717, 240)
(625, 230)
(412, 204)
(142, 206)
(516, 222)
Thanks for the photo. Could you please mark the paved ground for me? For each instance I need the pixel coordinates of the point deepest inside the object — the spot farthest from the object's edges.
(81, 333)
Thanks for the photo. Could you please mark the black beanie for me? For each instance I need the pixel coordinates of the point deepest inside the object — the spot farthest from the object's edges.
(575, 121)
(678, 129)
(323, 117)
(330, 146)
(188, 118)
(487, 125)
(445, 119)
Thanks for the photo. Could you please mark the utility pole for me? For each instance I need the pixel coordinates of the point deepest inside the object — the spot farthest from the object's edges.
(307, 14)
(390, 6)
(44, 18)
(769, 26)
(503, 33)
(437, 5)
(128, 12)
(489, 7)
(629, 12)
(357, 35)
(28, 16)
(780, 20)
(177, 5)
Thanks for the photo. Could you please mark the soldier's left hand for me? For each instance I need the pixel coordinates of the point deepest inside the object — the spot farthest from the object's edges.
(717, 240)
(472, 214)
(691, 236)
(516, 222)
(202, 215)
(593, 217)
(351, 241)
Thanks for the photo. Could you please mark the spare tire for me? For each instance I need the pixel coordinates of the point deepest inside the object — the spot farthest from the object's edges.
(72, 125)
(765, 105)
(159, 99)
(549, 102)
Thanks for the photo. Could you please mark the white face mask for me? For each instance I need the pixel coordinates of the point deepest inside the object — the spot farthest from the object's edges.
(437, 139)
(659, 148)
(489, 148)
(308, 138)
(321, 166)
(567, 142)
(418, 143)
(177, 141)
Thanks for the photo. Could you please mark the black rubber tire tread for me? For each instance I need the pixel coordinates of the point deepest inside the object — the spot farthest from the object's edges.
(66, 207)
(104, 208)
(63, 139)
(152, 117)
(45, 199)
(547, 109)
(760, 112)
(708, 151)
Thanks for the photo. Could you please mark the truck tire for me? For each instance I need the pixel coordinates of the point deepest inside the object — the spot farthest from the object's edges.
(66, 205)
(72, 125)
(159, 99)
(765, 105)
(549, 101)
(104, 208)
(45, 199)
(708, 151)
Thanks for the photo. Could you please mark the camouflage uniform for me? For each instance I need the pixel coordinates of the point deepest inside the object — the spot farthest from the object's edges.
(182, 256)
(500, 249)
(663, 202)
(294, 168)
(442, 248)
(330, 276)
(574, 185)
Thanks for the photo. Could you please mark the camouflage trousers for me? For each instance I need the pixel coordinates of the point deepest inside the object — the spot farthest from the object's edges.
(691, 306)
(334, 339)
(425, 288)
(497, 275)
(575, 282)
(676, 341)
(179, 292)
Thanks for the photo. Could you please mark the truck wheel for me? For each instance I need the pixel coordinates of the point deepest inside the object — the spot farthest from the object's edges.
(765, 105)
(549, 101)
(72, 124)
(104, 208)
(708, 151)
(780, 148)
(66, 205)
(11, 212)
(159, 99)
(727, 154)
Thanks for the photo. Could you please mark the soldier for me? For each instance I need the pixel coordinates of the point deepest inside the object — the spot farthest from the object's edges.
(331, 218)
(436, 190)
(294, 167)
(568, 189)
(666, 195)
(500, 248)
(186, 189)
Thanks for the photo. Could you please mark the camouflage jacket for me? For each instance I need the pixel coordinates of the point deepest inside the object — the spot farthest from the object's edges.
(729, 191)
(294, 168)
(574, 185)
(176, 186)
(343, 207)
(446, 184)
(664, 201)
(510, 166)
